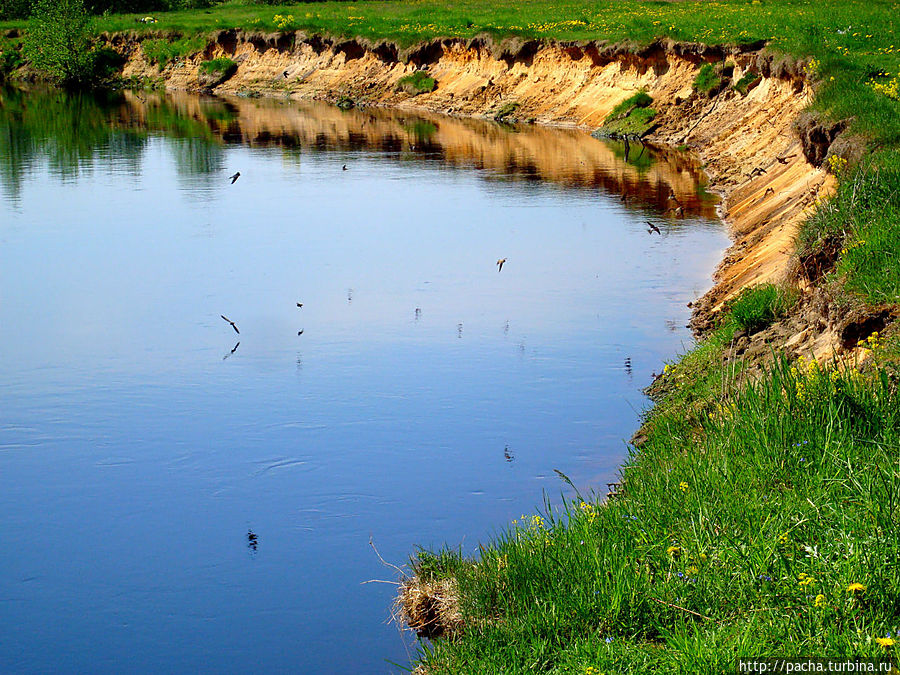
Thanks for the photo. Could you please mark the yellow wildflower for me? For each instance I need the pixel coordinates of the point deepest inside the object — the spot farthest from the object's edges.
(820, 600)
(855, 587)
(885, 642)
(683, 486)
(674, 551)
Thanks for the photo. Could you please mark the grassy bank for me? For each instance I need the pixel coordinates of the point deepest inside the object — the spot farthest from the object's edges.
(760, 521)
(761, 515)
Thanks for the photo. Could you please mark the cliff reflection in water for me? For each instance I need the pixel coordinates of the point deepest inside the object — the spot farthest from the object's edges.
(74, 131)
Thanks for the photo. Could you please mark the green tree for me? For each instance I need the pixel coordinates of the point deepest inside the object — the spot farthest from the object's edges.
(59, 42)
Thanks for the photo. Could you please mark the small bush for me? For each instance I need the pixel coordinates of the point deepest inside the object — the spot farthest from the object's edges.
(759, 306)
(10, 57)
(505, 112)
(216, 71)
(639, 100)
(708, 80)
(631, 117)
(59, 41)
(220, 66)
(418, 82)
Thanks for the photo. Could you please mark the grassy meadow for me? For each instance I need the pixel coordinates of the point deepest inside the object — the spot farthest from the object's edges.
(761, 517)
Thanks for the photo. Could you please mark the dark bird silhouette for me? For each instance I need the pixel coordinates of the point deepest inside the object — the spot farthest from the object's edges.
(507, 454)
(234, 349)
(252, 540)
(653, 228)
(673, 198)
(623, 197)
(300, 332)
(678, 211)
(231, 322)
(769, 191)
(500, 264)
(299, 304)
(784, 160)
(344, 168)
(758, 171)
(285, 74)
(235, 177)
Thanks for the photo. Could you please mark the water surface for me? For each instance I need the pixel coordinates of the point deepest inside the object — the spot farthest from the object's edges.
(181, 498)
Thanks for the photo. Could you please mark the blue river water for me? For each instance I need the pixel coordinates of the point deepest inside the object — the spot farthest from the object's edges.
(178, 497)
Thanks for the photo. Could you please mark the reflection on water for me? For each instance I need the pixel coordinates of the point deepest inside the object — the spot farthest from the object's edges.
(168, 404)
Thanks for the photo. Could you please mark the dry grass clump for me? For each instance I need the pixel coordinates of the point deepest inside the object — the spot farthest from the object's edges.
(429, 607)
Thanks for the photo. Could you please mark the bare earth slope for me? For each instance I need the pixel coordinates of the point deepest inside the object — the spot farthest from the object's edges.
(754, 157)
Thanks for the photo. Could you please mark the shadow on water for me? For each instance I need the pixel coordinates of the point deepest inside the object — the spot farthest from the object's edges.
(75, 131)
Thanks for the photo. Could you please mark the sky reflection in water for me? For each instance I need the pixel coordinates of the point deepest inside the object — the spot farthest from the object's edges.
(177, 502)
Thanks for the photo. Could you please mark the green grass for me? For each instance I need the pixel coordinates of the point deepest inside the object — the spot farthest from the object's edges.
(742, 86)
(639, 100)
(11, 56)
(161, 50)
(633, 116)
(848, 40)
(759, 306)
(708, 81)
(858, 230)
(221, 65)
(418, 82)
(743, 491)
(733, 503)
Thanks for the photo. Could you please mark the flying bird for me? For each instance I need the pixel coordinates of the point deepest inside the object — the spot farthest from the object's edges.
(231, 322)
(500, 264)
(344, 168)
(673, 198)
(299, 304)
(784, 160)
(285, 74)
(653, 228)
(235, 177)
(300, 332)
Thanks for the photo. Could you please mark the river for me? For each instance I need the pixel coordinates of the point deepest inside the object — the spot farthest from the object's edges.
(181, 497)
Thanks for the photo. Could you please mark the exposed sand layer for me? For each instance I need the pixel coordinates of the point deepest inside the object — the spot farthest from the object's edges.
(754, 157)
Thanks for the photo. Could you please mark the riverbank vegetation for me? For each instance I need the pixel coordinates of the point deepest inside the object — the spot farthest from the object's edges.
(760, 514)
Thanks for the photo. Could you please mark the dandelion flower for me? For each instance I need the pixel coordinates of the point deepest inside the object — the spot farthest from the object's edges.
(855, 587)
(820, 600)
(885, 642)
